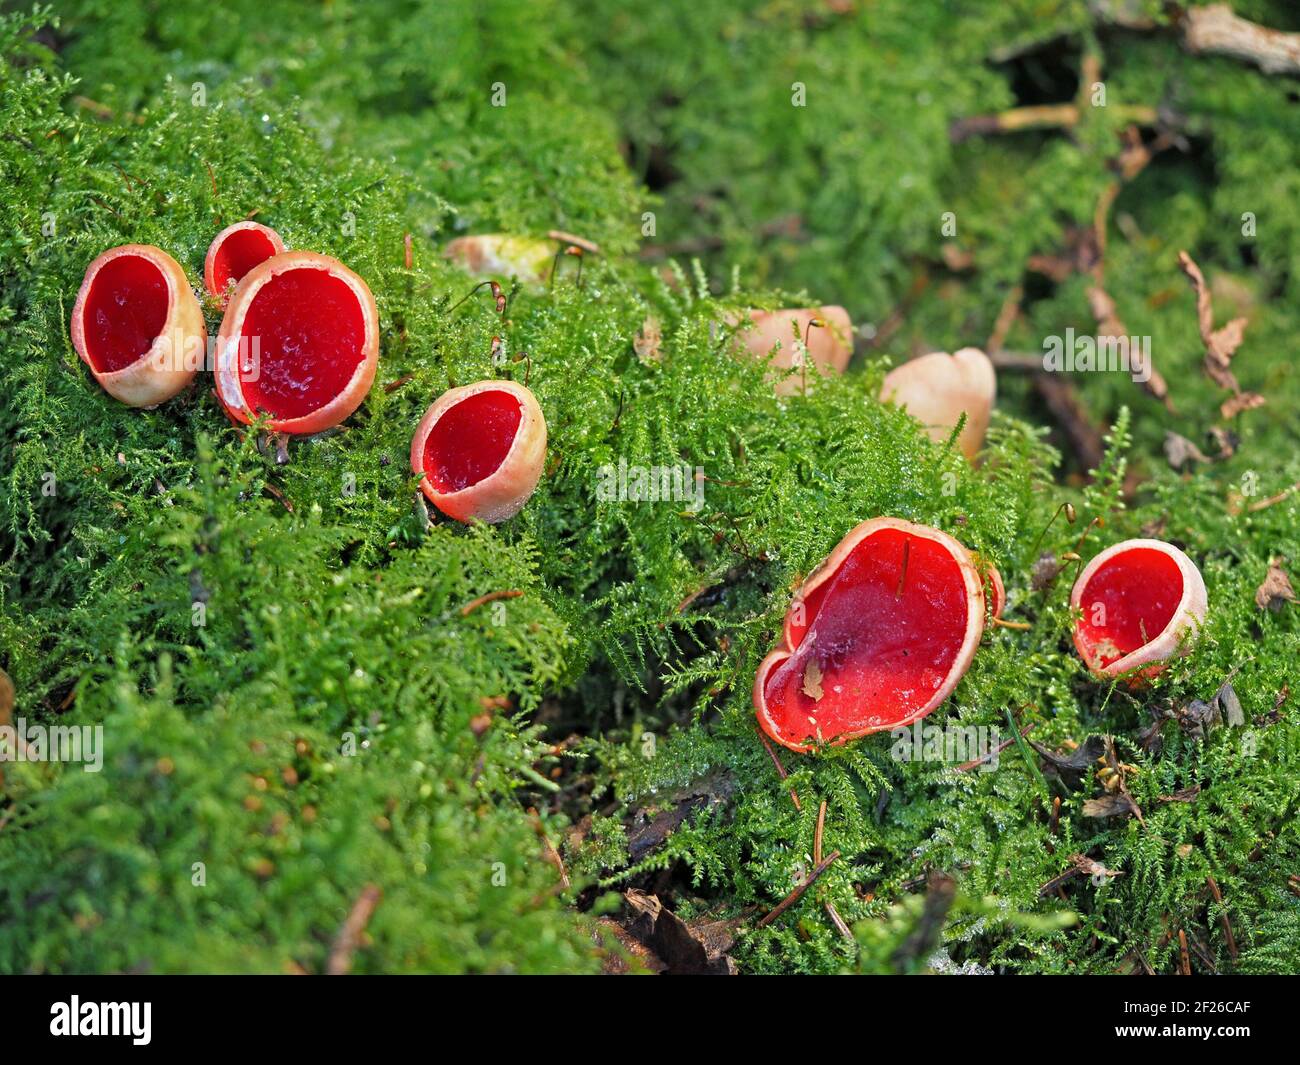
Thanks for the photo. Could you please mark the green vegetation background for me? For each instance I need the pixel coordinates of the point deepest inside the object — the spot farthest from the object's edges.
(332, 614)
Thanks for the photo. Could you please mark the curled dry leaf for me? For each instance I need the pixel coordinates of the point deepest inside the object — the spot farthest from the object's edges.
(1242, 401)
(1199, 717)
(1230, 705)
(694, 948)
(1225, 440)
(1276, 589)
(1179, 451)
(1073, 765)
(812, 681)
(1116, 805)
(627, 955)
(1220, 344)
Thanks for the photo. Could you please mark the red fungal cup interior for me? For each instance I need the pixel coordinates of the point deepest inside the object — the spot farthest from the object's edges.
(1127, 603)
(310, 333)
(239, 253)
(881, 655)
(124, 312)
(471, 440)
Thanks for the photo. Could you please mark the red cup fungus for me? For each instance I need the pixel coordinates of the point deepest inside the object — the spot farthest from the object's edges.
(299, 341)
(875, 639)
(996, 592)
(1138, 600)
(234, 252)
(773, 336)
(138, 325)
(480, 449)
(936, 389)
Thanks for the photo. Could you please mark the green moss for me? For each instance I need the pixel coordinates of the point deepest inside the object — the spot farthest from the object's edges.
(321, 730)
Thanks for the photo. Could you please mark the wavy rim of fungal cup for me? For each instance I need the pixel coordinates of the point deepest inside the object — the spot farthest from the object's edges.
(480, 449)
(138, 352)
(245, 245)
(299, 341)
(938, 565)
(1141, 585)
(938, 388)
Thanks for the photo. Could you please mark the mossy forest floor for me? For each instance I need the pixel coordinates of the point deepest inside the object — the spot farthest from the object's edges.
(559, 780)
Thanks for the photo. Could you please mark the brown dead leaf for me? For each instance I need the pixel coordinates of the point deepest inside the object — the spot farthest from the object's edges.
(646, 832)
(1226, 441)
(1116, 805)
(1220, 344)
(1072, 766)
(812, 680)
(1230, 705)
(1242, 401)
(1118, 784)
(1179, 451)
(628, 956)
(1186, 795)
(686, 948)
(1199, 717)
(1276, 589)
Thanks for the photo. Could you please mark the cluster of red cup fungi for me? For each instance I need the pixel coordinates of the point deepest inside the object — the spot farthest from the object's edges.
(298, 345)
(886, 627)
(875, 639)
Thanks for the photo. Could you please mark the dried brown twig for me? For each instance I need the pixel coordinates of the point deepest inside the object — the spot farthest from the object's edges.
(799, 890)
(346, 942)
(1215, 30)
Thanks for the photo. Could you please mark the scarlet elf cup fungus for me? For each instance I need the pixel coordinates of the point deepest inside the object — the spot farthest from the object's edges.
(825, 332)
(875, 639)
(137, 324)
(234, 252)
(480, 448)
(1138, 600)
(300, 341)
(937, 389)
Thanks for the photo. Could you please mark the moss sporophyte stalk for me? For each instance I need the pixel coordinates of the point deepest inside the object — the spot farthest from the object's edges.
(346, 728)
